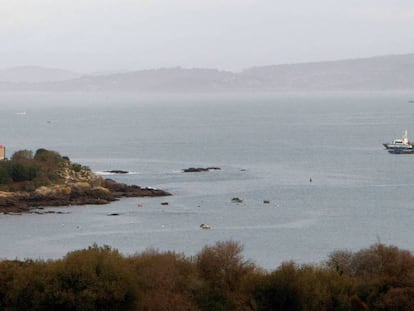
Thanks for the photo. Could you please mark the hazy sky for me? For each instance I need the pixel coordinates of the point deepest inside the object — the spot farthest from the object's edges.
(106, 35)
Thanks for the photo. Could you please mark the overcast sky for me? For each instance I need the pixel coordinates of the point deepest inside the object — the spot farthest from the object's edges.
(107, 35)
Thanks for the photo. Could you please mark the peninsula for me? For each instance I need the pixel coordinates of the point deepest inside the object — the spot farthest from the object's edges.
(48, 179)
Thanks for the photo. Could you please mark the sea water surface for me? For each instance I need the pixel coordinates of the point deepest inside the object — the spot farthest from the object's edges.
(268, 147)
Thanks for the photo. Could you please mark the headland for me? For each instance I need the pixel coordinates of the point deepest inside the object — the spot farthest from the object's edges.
(46, 178)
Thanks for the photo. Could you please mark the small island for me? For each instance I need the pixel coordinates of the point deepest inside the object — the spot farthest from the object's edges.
(46, 178)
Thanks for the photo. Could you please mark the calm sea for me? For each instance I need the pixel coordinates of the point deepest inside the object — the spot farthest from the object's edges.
(268, 148)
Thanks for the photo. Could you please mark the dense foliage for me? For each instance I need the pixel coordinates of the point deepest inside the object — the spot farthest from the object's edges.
(217, 278)
(25, 171)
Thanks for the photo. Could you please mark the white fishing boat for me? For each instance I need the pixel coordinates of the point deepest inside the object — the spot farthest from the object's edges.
(400, 145)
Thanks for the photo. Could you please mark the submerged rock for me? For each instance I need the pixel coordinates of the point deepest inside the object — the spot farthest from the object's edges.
(114, 214)
(236, 200)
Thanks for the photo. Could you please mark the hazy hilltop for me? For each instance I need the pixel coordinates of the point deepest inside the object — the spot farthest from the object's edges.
(394, 72)
(35, 74)
(156, 80)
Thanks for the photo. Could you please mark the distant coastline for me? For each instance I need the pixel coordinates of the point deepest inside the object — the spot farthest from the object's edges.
(379, 73)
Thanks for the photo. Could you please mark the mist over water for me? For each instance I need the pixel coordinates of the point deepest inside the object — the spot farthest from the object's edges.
(268, 146)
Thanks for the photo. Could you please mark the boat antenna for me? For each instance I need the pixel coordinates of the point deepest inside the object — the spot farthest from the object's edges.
(405, 138)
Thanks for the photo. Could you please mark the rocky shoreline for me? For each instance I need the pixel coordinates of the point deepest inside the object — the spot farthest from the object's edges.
(47, 179)
(79, 193)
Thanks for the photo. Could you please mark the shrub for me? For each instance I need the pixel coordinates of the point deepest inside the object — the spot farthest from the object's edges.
(76, 167)
(40, 153)
(378, 260)
(165, 281)
(384, 275)
(52, 158)
(22, 155)
(5, 177)
(224, 271)
(97, 278)
(21, 172)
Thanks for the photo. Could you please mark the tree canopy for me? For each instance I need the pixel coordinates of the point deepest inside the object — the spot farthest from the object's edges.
(25, 171)
(218, 278)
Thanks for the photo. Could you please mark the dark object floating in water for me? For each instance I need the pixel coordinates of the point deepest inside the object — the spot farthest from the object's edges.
(113, 214)
(201, 169)
(266, 201)
(310, 179)
(117, 172)
(205, 226)
(236, 200)
(164, 203)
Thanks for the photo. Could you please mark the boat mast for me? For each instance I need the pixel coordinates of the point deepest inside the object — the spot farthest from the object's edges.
(405, 138)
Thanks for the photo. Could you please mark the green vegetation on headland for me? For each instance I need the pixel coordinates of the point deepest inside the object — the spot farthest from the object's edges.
(49, 179)
(218, 278)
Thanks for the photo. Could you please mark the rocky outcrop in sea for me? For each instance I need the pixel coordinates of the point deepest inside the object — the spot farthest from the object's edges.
(73, 187)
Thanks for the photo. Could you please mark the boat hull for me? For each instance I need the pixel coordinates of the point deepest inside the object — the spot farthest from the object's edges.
(399, 149)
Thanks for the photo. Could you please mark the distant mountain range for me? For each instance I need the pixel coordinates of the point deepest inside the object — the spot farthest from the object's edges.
(394, 72)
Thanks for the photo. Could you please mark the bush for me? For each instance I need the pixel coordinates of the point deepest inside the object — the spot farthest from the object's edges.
(99, 278)
(96, 279)
(165, 281)
(76, 167)
(21, 172)
(22, 155)
(52, 158)
(377, 261)
(5, 177)
(224, 272)
(42, 169)
(384, 275)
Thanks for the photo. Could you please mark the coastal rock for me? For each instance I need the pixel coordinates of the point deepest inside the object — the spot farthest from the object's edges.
(236, 200)
(117, 172)
(124, 190)
(61, 183)
(201, 169)
(80, 193)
